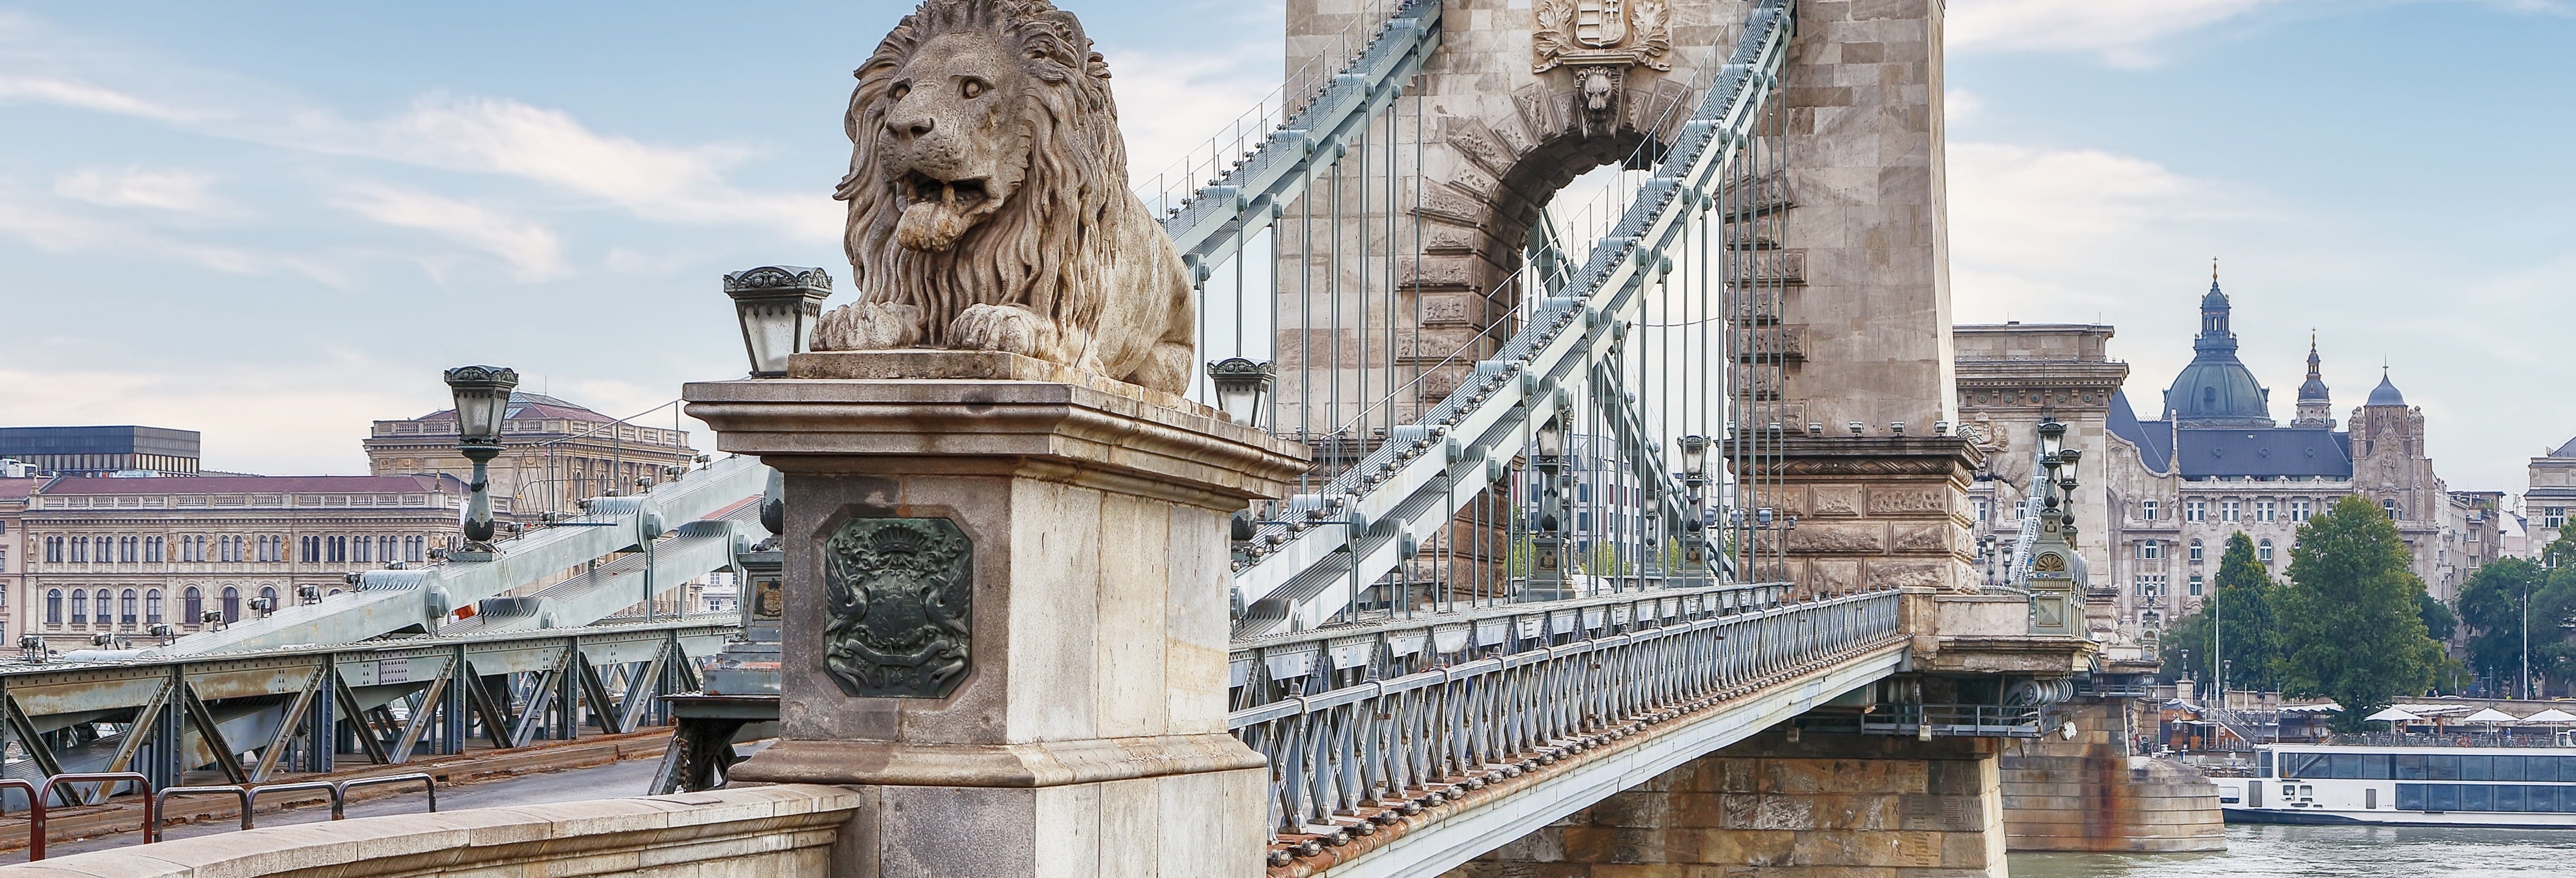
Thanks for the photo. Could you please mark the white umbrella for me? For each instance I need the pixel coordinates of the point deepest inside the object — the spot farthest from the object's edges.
(2490, 716)
(2395, 715)
(2552, 715)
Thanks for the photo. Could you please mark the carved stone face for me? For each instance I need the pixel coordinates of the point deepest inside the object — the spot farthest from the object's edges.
(952, 144)
(1597, 90)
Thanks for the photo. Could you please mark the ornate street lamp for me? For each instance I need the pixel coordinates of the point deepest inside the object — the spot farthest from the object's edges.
(778, 305)
(482, 404)
(1547, 545)
(1694, 450)
(1242, 388)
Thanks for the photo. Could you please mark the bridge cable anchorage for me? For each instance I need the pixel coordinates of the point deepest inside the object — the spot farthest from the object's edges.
(1514, 439)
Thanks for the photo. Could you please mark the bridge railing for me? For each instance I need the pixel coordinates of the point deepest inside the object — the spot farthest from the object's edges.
(1390, 644)
(1348, 760)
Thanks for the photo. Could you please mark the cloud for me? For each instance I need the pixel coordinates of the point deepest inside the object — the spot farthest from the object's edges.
(57, 231)
(81, 95)
(2128, 33)
(666, 184)
(171, 190)
(533, 251)
(293, 425)
(2030, 225)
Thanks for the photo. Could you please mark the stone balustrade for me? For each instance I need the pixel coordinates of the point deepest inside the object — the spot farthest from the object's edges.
(786, 831)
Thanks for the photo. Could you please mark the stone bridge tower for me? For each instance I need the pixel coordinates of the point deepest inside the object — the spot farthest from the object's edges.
(1523, 96)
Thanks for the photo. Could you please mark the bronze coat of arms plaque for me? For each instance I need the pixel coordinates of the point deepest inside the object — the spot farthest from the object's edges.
(900, 592)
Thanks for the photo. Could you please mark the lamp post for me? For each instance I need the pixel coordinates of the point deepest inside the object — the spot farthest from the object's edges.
(1694, 452)
(778, 306)
(1242, 389)
(1547, 546)
(482, 403)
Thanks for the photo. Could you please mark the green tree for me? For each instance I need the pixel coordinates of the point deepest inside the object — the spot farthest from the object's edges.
(2238, 620)
(2491, 604)
(2348, 624)
(2439, 622)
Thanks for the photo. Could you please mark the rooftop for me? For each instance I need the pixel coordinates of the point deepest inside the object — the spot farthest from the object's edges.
(528, 405)
(250, 484)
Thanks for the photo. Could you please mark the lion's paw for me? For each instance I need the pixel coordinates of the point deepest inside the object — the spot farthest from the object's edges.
(998, 328)
(868, 326)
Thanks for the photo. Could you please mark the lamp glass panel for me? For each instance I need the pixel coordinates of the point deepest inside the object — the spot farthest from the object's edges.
(773, 331)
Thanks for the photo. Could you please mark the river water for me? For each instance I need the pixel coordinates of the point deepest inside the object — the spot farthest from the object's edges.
(2374, 851)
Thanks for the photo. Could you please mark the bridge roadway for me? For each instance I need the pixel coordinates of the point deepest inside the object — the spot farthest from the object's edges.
(1453, 733)
(591, 770)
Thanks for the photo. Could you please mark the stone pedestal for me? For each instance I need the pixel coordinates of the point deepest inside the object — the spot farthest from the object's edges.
(1877, 512)
(1822, 805)
(1006, 612)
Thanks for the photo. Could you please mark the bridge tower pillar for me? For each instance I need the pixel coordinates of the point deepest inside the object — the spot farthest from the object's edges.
(1006, 616)
(1784, 804)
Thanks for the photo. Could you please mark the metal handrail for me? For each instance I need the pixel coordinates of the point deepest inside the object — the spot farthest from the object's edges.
(340, 794)
(161, 803)
(323, 785)
(1264, 669)
(36, 801)
(1395, 746)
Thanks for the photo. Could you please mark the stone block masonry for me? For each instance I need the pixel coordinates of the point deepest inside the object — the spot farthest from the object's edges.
(2088, 794)
(1836, 805)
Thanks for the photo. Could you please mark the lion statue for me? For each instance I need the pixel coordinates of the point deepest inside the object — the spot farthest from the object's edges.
(989, 207)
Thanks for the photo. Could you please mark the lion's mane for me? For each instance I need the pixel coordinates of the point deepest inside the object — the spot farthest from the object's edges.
(1028, 252)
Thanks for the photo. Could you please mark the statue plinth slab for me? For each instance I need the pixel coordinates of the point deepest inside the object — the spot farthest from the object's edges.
(1041, 564)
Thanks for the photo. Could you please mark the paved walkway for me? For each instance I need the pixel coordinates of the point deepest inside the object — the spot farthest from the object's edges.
(610, 781)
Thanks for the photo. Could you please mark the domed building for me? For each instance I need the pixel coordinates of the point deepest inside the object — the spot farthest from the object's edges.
(2154, 516)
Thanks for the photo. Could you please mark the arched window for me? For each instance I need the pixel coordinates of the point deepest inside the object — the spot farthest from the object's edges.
(2196, 552)
(192, 607)
(54, 606)
(2263, 550)
(80, 607)
(126, 605)
(269, 594)
(152, 607)
(232, 605)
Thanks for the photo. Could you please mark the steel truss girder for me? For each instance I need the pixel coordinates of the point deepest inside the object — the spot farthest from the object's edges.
(1562, 341)
(395, 600)
(203, 698)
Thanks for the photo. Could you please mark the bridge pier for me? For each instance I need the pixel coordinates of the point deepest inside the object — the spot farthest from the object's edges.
(1007, 613)
(1814, 804)
(2088, 794)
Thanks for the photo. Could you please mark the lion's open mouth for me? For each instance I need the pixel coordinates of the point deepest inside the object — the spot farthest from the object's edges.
(941, 210)
(967, 192)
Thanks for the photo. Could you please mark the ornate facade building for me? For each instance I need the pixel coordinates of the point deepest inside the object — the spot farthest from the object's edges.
(14, 488)
(2160, 497)
(2551, 498)
(118, 555)
(555, 453)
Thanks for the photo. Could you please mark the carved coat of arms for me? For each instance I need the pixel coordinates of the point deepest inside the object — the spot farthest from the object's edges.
(900, 595)
(1602, 32)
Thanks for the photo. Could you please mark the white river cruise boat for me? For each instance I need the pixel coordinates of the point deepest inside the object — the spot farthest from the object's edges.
(2515, 786)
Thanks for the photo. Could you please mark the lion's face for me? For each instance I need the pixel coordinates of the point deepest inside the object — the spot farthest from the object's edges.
(952, 147)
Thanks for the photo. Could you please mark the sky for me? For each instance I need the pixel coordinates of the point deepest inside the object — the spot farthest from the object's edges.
(275, 222)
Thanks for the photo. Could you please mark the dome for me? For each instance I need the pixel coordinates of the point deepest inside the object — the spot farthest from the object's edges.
(2314, 390)
(2216, 390)
(2386, 393)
